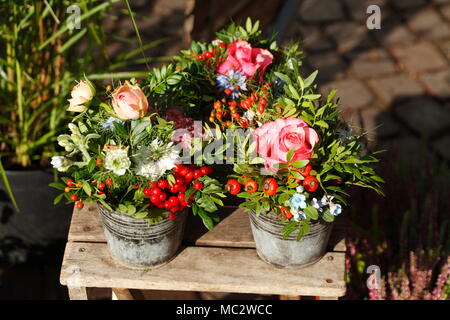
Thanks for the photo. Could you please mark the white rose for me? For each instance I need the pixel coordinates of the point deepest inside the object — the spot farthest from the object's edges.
(81, 93)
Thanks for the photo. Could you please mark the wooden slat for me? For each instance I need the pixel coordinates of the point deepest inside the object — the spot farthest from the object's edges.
(206, 269)
(233, 231)
(86, 225)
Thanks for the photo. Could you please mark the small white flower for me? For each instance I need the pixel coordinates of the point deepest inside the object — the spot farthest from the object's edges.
(326, 199)
(317, 204)
(154, 160)
(61, 163)
(117, 161)
(249, 114)
(299, 189)
(335, 209)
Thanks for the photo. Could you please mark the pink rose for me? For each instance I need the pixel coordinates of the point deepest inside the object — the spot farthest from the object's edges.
(184, 128)
(129, 102)
(275, 139)
(242, 57)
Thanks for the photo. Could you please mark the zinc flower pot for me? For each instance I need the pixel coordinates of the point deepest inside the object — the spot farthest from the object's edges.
(136, 244)
(289, 253)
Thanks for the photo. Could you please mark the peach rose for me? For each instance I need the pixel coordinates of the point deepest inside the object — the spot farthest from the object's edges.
(275, 139)
(129, 102)
(242, 57)
(80, 95)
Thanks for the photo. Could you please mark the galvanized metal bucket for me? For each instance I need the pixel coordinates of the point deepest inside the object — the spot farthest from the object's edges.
(134, 243)
(288, 253)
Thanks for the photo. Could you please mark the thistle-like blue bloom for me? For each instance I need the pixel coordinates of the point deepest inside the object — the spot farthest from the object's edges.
(109, 124)
(230, 81)
(298, 201)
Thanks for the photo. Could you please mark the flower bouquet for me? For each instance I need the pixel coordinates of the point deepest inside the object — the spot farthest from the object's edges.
(124, 158)
(294, 157)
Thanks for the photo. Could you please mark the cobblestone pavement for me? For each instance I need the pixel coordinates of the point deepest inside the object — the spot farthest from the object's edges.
(394, 81)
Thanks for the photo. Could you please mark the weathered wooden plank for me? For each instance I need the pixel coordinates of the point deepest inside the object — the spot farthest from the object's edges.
(206, 269)
(233, 231)
(86, 225)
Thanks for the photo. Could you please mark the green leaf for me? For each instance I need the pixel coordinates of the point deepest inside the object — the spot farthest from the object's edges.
(304, 227)
(58, 198)
(299, 163)
(311, 212)
(327, 216)
(322, 124)
(310, 80)
(294, 92)
(87, 188)
(57, 185)
(207, 221)
(7, 186)
(131, 209)
(290, 154)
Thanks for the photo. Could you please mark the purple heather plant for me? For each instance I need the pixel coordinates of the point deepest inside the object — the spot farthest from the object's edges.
(407, 234)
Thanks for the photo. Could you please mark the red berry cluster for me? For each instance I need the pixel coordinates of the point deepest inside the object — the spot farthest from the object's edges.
(269, 187)
(73, 186)
(225, 118)
(172, 197)
(203, 56)
(310, 183)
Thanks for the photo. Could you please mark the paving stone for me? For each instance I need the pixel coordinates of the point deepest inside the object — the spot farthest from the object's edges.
(371, 63)
(408, 4)
(350, 36)
(445, 47)
(442, 146)
(419, 57)
(423, 115)
(358, 8)
(395, 87)
(369, 123)
(393, 32)
(386, 126)
(406, 150)
(353, 93)
(428, 24)
(441, 1)
(445, 10)
(330, 65)
(438, 83)
(318, 11)
(314, 40)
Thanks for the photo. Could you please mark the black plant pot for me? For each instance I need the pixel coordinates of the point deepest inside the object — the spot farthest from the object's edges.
(38, 222)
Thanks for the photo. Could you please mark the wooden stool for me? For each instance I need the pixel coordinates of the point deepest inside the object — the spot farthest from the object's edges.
(222, 260)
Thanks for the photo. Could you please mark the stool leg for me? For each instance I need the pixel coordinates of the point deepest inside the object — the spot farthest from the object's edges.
(327, 298)
(281, 297)
(121, 294)
(77, 293)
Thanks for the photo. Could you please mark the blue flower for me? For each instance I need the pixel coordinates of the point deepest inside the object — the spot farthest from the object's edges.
(298, 215)
(335, 209)
(278, 88)
(230, 81)
(298, 201)
(109, 124)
